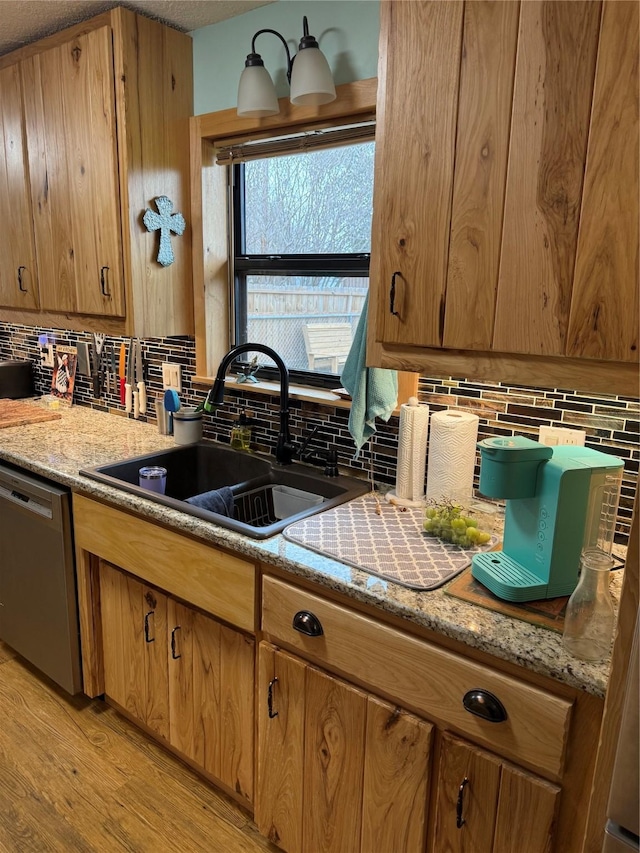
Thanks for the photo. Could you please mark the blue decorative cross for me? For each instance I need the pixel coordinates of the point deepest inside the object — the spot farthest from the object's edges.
(167, 223)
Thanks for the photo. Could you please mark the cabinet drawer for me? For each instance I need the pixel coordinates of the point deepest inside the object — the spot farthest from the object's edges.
(423, 676)
(220, 583)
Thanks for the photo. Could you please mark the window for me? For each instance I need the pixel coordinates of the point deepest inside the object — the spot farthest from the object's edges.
(302, 237)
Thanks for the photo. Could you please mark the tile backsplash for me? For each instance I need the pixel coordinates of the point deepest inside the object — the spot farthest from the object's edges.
(611, 423)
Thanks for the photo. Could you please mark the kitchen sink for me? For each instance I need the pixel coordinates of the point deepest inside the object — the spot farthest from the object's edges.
(267, 496)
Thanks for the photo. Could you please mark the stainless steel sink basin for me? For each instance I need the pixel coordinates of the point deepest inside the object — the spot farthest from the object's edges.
(193, 469)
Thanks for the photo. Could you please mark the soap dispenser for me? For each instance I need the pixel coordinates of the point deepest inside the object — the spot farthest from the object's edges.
(241, 432)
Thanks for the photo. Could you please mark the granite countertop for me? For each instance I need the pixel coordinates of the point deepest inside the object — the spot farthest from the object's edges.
(84, 438)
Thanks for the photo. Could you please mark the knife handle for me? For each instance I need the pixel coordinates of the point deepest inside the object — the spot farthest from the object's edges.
(122, 392)
(136, 403)
(142, 395)
(128, 397)
(95, 381)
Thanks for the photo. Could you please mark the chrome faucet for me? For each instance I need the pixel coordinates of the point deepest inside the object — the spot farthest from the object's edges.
(284, 448)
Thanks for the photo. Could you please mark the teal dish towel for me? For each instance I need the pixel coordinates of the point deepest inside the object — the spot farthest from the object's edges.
(374, 391)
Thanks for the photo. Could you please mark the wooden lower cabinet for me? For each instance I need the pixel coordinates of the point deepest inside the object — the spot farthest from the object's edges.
(184, 675)
(338, 770)
(485, 804)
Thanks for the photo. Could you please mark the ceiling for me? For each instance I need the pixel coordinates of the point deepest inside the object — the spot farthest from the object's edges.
(24, 21)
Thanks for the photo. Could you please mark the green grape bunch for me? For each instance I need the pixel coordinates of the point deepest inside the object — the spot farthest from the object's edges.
(445, 520)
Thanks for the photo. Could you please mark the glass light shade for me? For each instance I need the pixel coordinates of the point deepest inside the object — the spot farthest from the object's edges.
(311, 79)
(256, 93)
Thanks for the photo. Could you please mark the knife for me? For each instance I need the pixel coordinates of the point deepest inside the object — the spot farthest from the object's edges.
(113, 370)
(121, 373)
(142, 389)
(128, 387)
(134, 383)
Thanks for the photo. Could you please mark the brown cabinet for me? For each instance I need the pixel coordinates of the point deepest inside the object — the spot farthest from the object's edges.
(106, 106)
(483, 803)
(338, 769)
(71, 131)
(18, 273)
(505, 225)
(528, 773)
(184, 675)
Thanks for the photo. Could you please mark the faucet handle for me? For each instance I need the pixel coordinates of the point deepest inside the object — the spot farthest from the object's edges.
(302, 449)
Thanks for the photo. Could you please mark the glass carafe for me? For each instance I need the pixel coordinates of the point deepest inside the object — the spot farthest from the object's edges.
(590, 617)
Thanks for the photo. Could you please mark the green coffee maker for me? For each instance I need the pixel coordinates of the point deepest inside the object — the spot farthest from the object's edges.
(559, 500)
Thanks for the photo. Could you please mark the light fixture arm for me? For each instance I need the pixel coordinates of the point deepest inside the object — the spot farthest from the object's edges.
(286, 47)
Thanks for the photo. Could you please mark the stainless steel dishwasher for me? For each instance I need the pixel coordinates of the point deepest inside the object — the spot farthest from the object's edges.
(38, 602)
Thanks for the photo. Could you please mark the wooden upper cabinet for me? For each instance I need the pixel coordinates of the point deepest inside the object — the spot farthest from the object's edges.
(505, 221)
(70, 115)
(604, 308)
(18, 273)
(106, 106)
(415, 145)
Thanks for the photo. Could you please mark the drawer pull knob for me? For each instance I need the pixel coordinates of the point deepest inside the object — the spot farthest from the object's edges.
(272, 684)
(486, 705)
(307, 623)
(460, 821)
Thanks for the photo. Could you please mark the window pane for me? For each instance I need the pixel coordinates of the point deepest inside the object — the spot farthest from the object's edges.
(318, 202)
(281, 308)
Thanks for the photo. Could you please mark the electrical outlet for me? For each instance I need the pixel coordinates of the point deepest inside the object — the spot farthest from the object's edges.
(552, 436)
(171, 376)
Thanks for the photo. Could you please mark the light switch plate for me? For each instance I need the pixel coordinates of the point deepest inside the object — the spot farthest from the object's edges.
(171, 376)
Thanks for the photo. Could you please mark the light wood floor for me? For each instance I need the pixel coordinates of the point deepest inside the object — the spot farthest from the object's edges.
(75, 776)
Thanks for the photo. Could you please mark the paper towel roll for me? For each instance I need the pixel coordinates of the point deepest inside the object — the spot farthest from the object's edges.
(452, 455)
(412, 453)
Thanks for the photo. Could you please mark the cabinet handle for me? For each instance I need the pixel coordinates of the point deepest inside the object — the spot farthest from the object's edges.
(147, 637)
(173, 643)
(20, 287)
(307, 623)
(103, 282)
(459, 819)
(484, 704)
(392, 293)
(272, 684)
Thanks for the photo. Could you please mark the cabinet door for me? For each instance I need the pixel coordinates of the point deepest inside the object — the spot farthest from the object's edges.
(605, 306)
(468, 782)
(396, 779)
(557, 48)
(526, 813)
(70, 120)
(415, 146)
(134, 632)
(211, 682)
(18, 275)
(486, 804)
(280, 760)
(335, 719)
(338, 769)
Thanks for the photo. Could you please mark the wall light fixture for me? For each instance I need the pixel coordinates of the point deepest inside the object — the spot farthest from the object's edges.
(308, 73)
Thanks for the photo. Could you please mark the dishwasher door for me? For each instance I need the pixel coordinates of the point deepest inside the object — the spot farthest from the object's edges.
(38, 602)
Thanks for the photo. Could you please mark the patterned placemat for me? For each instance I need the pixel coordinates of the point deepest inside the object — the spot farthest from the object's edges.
(385, 540)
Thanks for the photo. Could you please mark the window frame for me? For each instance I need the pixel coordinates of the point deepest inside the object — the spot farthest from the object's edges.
(212, 243)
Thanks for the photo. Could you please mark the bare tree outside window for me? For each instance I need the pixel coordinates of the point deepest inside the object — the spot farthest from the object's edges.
(316, 203)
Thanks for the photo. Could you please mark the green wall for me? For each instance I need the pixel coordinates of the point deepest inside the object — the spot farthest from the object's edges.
(346, 30)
